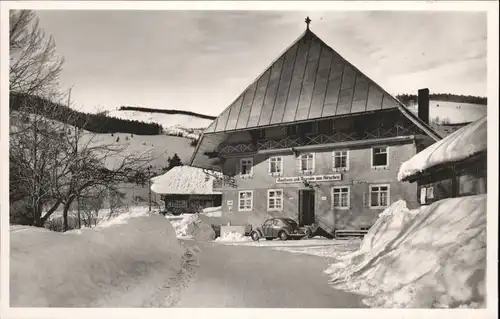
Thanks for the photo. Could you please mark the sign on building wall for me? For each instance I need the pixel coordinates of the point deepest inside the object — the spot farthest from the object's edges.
(229, 204)
(313, 178)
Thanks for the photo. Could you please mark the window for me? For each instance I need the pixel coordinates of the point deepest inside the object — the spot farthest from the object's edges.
(245, 200)
(340, 160)
(275, 199)
(246, 165)
(306, 163)
(379, 196)
(341, 198)
(276, 165)
(379, 157)
(430, 192)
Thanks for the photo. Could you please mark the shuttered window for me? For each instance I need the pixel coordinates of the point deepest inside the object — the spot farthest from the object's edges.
(246, 167)
(276, 165)
(275, 199)
(245, 200)
(340, 160)
(305, 163)
(341, 197)
(379, 196)
(380, 157)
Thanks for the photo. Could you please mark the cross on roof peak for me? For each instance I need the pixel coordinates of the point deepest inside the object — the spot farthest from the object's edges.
(308, 21)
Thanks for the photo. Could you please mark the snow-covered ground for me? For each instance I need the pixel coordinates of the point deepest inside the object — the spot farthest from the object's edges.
(453, 112)
(125, 262)
(185, 125)
(317, 246)
(462, 144)
(156, 147)
(194, 226)
(232, 237)
(431, 257)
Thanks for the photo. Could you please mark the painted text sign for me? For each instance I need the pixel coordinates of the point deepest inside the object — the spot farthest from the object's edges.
(313, 178)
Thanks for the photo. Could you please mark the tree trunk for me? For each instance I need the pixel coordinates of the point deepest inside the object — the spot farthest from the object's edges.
(50, 212)
(37, 215)
(67, 205)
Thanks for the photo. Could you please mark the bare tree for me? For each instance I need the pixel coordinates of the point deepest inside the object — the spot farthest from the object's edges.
(53, 163)
(34, 64)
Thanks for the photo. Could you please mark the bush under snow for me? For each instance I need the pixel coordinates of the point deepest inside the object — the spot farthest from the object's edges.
(434, 256)
(119, 264)
(194, 226)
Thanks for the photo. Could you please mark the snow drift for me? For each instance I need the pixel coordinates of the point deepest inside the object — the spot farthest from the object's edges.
(461, 144)
(121, 264)
(194, 226)
(232, 237)
(434, 256)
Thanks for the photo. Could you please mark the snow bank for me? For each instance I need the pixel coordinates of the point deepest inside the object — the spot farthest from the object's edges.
(434, 256)
(463, 143)
(232, 237)
(122, 265)
(213, 211)
(194, 226)
(183, 180)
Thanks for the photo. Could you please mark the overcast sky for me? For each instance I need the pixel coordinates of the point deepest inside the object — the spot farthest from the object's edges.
(202, 60)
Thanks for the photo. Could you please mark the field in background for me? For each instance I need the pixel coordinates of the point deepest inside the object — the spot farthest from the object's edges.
(159, 147)
(452, 112)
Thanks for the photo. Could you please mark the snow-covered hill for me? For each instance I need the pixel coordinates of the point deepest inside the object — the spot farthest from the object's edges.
(158, 147)
(452, 112)
(173, 124)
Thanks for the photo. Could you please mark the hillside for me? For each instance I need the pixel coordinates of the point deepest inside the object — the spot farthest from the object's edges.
(98, 123)
(159, 147)
(444, 112)
(173, 124)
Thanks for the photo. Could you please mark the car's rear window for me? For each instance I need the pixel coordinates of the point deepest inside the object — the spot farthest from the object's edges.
(290, 222)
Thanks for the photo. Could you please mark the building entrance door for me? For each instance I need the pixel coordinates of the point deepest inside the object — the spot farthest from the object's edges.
(306, 207)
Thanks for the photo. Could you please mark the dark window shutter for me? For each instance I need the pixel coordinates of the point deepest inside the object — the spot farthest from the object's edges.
(366, 199)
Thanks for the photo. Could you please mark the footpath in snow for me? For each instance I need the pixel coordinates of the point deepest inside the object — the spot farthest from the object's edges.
(128, 261)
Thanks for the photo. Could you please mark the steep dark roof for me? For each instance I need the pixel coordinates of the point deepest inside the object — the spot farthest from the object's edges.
(308, 81)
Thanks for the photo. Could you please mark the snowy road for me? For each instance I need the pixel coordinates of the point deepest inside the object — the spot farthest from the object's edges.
(242, 276)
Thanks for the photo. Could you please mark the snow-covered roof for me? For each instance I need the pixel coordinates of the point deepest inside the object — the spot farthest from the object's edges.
(184, 180)
(460, 145)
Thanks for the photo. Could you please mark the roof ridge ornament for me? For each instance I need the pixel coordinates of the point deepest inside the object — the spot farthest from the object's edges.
(307, 21)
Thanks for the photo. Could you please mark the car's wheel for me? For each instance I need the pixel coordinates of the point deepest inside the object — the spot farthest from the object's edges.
(283, 235)
(255, 236)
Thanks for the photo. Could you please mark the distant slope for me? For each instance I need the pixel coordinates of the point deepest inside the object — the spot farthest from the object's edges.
(452, 112)
(173, 124)
(172, 112)
(159, 147)
(444, 97)
(99, 123)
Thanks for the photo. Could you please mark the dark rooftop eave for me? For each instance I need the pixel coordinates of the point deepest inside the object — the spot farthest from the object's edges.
(302, 121)
(443, 166)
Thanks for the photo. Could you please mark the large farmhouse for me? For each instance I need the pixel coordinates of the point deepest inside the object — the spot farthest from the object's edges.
(315, 139)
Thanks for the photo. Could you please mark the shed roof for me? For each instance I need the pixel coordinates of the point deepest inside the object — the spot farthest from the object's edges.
(184, 180)
(462, 144)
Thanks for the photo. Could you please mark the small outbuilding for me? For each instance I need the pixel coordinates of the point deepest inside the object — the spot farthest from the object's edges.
(186, 189)
(452, 167)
